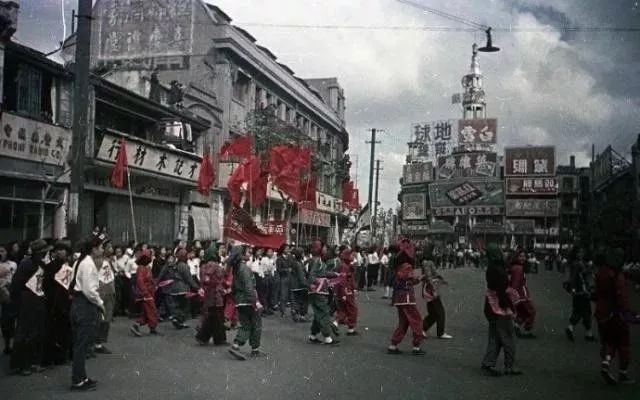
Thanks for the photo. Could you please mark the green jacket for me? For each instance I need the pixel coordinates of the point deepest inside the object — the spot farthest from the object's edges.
(298, 276)
(318, 277)
(244, 285)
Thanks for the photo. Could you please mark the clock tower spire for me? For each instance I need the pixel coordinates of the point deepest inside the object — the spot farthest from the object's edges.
(473, 101)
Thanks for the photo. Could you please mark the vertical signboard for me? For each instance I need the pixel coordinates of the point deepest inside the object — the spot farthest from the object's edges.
(434, 139)
(531, 161)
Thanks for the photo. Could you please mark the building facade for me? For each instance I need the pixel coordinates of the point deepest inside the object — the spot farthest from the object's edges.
(191, 50)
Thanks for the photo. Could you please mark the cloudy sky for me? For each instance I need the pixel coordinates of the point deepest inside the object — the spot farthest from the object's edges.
(546, 86)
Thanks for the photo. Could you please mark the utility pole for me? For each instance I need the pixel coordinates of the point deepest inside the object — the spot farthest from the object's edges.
(371, 162)
(80, 117)
(375, 201)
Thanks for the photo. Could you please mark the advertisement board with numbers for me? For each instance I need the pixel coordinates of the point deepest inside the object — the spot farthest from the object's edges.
(417, 172)
(152, 158)
(463, 165)
(530, 161)
(530, 185)
(133, 29)
(473, 192)
(478, 131)
(434, 139)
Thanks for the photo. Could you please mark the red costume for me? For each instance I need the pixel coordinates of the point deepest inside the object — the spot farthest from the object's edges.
(347, 310)
(230, 310)
(404, 298)
(145, 290)
(212, 324)
(612, 303)
(525, 310)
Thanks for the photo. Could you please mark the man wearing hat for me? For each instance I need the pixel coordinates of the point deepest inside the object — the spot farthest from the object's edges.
(27, 293)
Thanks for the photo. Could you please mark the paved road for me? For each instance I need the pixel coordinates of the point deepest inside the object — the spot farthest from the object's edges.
(174, 367)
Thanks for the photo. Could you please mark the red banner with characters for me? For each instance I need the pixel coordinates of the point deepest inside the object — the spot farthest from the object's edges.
(239, 225)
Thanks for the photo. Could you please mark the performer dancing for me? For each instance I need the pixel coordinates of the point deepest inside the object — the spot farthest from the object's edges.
(347, 309)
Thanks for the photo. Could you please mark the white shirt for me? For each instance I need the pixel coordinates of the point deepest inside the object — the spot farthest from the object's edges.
(256, 267)
(372, 258)
(268, 265)
(131, 267)
(357, 260)
(194, 266)
(384, 260)
(121, 263)
(87, 281)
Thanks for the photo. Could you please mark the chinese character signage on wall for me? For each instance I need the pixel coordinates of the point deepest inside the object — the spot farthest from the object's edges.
(520, 226)
(472, 164)
(415, 227)
(538, 160)
(532, 208)
(477, 131)
(478, 193)
(137, 29)
(311, 217)
(516, 186)
(153, 158)
(34, 141)
(414, 206)
(434, 139)
(418, 172)
(467, 210)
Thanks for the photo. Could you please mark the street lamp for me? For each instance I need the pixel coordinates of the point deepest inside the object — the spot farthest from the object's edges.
(489, 48)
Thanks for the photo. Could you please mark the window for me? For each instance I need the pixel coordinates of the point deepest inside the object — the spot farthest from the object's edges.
(241, 87)
(29, 93)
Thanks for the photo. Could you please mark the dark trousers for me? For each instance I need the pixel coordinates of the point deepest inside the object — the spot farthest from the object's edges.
(615, 338)
(57, 343)
(30, 332)
(372, 274)
(299, 303)
(321, 314)
(581, 311)
(212, 326)
(283, 292)
(104, 325)
(262, 290)
(501, 336)
(179, 306)
(123, 295)
(361, 272)
(8, 323)
(435, 315)
(250, 327)
(84, 321)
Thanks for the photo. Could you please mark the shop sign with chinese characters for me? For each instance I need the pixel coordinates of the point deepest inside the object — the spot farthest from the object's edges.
(467, 210)
(434, 139)
(537, 161)
(526, 186)
(35, 141)
(474, 192)
(152, 158)
(532, 208)
(472, 164)
(273, 227)
(417, 172)
(311, 217)
(478, 131)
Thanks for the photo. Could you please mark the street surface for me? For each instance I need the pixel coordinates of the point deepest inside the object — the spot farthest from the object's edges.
(174, 367)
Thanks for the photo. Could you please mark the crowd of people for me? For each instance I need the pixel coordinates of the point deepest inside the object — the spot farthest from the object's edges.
(57, 306)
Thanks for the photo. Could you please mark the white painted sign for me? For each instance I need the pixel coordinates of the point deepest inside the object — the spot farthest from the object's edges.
(35, 283)
(64, 275)
(32, 140)
(153, 158)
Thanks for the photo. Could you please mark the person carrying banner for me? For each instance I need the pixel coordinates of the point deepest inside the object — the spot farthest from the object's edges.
(27, 293)
(319, 295)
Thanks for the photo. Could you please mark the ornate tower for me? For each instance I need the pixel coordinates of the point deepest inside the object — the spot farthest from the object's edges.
(473, 101)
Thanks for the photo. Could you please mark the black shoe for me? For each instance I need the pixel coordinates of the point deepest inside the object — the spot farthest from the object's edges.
(394, 351)
(176, 323)
(255, 353)
(569, 334)
(26, 372)
(155, 332)
(102, 350)
(314, 340)
(135, 329)
(491, 371)
(84, 386)
(418, 352)
(513, 372)
(606, 374)
(334, 342)
(7, 351)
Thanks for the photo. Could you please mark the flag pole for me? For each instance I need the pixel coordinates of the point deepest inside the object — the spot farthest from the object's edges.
(133, 218)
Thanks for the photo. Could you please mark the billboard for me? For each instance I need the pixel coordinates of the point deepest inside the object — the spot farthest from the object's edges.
(464, 165)
(526, 186)
(478, 131)
(132, 30)
(486, 192)
(520, 226)
(431, 140)
(417, 172)
(532, 207)
(414, 206)
(531, 160)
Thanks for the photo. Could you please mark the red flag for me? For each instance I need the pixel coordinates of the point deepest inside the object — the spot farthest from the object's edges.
(350, 195)
(117, 174)
(239, 225)
(308, 193)
(206, 175)
(285, 164)
(240, 147)
(251, 174)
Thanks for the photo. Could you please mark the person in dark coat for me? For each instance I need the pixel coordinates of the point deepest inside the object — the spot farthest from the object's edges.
(499, 311)
(57, 277)
(319, 296)
(580, 286)
(27, 293)
(212, 278)
(299, 287)
(180, 284)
